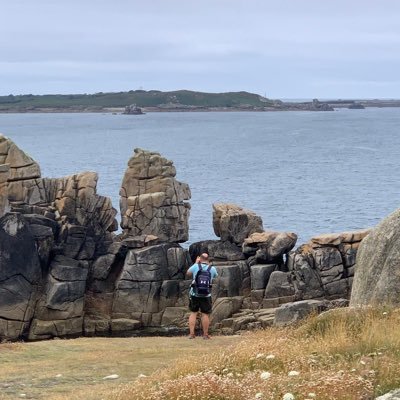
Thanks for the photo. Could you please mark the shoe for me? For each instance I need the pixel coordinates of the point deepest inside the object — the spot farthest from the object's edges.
(206, 337)
(191, 337)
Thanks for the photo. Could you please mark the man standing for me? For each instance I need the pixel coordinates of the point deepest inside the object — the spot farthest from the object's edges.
(200, 293)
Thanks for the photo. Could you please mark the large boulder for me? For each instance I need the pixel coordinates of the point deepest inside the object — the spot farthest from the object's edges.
(231, 280)
(21, 165)
(377, 272)
(260, 274)
(279, 286)
(152, 201)
(218, 250)
(290, 313)
(234, 224)
(269, 246)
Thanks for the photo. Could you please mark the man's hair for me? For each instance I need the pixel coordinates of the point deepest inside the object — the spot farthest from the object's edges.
(204, 257)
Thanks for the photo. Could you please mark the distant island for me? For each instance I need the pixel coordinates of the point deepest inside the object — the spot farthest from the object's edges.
(182, 100)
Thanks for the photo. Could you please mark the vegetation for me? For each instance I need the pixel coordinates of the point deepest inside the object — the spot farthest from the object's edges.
(74, 369)
(153, 98)
(344, 354)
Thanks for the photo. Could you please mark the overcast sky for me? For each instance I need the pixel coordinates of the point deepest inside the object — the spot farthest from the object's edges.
(277, 48)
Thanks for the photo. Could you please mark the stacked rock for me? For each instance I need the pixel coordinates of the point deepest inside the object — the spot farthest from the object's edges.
(324, 267)
(142, 277)
(152, 200)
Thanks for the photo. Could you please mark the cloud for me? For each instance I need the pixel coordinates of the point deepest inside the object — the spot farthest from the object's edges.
(214, 45)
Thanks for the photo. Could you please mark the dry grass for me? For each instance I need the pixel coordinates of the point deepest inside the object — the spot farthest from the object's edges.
(342, 355)
(74, 369)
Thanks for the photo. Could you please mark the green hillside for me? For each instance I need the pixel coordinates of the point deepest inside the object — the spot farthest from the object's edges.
(141, 98)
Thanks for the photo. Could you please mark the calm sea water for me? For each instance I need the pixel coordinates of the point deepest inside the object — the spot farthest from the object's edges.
(307, 172)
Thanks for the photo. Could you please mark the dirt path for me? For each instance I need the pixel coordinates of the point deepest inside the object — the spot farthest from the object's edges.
(74, 369)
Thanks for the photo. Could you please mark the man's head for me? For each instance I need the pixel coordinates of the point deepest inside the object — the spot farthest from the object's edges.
(204, 258)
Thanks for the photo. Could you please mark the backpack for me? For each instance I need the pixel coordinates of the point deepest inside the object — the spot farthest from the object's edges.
(202, 282)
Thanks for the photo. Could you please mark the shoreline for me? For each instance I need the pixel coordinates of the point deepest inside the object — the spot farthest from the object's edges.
(278, 107)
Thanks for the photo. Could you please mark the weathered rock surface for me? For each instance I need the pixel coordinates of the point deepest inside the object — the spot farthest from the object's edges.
(377, 278)
(292, 312)
(324, 267)
(21, 166)
(234, 224)
(20, 274)
(152, 201)
(279, 286)
(218, 250)
(269, 246)
(4, 175)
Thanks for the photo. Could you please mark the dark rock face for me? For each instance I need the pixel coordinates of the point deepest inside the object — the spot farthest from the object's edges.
(20, 276)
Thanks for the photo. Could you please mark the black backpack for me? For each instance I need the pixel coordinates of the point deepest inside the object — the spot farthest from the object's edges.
(202, 282)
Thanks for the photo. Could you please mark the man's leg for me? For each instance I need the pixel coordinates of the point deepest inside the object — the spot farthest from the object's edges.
(205, 323)
(192, 322)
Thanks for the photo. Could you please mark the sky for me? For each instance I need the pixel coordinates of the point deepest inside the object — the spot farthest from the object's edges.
(279, 49)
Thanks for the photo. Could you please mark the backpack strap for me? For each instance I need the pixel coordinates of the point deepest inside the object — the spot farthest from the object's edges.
(197, 273)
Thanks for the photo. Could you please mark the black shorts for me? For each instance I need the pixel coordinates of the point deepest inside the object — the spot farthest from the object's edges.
(204, 304)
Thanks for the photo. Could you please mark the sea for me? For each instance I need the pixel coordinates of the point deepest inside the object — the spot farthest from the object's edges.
(303, 172)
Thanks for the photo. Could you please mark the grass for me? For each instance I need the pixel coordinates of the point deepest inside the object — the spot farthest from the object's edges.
(74, 369)
(344, 354)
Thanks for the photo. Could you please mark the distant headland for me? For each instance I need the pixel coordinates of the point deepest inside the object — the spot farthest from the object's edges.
(175, 101)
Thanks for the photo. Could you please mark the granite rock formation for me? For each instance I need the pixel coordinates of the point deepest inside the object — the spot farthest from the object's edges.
(377, 278)
(234, 224)
(58, 226)
(65, 272)
(152, 200)
(324, 267)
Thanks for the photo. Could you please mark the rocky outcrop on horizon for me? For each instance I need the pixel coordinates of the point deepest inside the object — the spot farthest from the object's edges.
(133, 109)
(65, 272)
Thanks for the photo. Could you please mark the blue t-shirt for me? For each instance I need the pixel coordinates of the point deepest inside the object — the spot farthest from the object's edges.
(194, 269)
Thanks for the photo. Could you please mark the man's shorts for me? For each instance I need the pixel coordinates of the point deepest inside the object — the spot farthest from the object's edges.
(204, 304)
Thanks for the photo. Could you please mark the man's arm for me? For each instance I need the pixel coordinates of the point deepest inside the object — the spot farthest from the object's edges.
(214, 272)
(189, 272)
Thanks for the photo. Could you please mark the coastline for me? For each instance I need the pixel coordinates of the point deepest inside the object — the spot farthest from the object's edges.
(278, 106)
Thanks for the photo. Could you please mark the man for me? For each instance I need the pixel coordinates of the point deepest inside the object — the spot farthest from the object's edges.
(200, 293)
